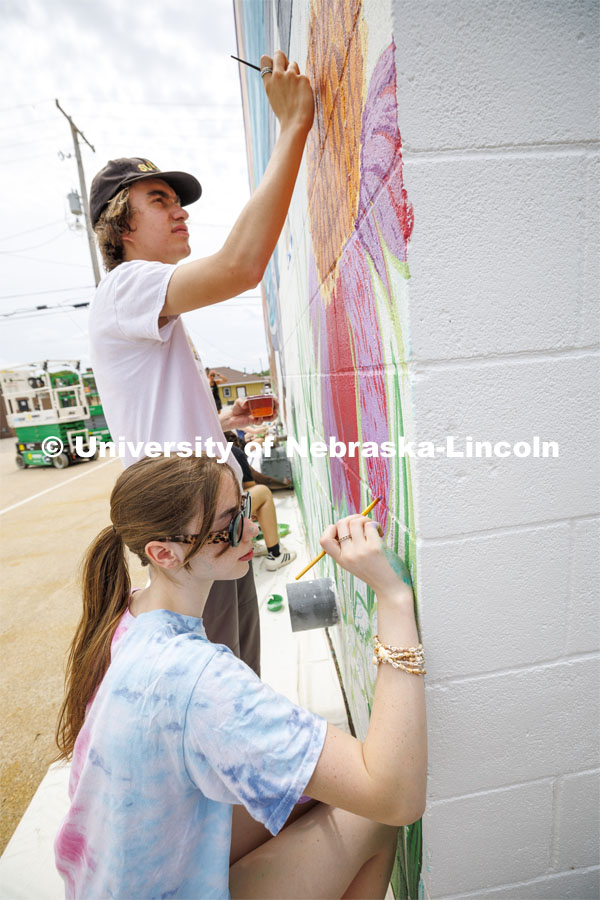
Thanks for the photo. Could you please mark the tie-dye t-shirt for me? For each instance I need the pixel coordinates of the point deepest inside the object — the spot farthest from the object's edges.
(179, 730)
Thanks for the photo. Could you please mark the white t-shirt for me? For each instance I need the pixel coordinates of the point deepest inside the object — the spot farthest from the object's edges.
(152, 386)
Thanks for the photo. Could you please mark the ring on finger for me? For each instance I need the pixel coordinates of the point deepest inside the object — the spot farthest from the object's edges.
(266, 70)
(346, 537)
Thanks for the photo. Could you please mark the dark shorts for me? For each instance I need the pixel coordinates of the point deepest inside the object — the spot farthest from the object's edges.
(231, 617)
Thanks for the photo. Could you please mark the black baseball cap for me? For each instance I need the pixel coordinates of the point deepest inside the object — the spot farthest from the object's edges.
(119, 172)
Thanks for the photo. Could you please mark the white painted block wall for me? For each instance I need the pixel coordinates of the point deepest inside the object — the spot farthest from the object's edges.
(498, 110)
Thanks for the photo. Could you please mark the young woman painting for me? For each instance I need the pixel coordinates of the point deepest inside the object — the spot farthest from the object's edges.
(187, 770)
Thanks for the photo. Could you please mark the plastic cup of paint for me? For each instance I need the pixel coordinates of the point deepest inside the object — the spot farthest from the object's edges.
(261, 406)
(275, 602)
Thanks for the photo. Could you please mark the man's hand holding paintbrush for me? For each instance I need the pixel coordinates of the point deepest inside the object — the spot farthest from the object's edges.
(301, 108)
(242, 260)
(256, 232)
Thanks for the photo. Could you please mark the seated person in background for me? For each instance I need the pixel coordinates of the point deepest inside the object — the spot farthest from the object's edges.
(263, 508)
(256, 477)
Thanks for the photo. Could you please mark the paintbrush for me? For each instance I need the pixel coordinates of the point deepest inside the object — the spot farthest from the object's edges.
(252, 66)
(365, 512)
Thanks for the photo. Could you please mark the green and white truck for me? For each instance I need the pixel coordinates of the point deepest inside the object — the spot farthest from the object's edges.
(46, 405)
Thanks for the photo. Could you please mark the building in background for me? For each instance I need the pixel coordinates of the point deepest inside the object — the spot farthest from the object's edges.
(437, 276)
(240, 384)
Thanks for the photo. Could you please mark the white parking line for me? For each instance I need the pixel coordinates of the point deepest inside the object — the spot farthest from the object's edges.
(56, 486)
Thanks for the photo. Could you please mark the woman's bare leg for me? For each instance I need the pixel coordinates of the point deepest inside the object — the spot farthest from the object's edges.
(327, 853)
(373, 878)
(263, 507)
(247, 834)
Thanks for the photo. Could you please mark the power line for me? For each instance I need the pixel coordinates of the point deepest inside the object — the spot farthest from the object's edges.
(204, 341)
(112, 102)
(90, 102)
(28, 312)
(33, 246)
(29, 230)
(72, 319)
(238, 303)
(227, 113)
(23, 105)
(29, 141)
(53, 262)
(85, 287)
(31, 122)
(21, 159)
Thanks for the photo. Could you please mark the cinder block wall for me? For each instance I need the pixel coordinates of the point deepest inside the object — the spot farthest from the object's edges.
(480, 117)
(497, 103)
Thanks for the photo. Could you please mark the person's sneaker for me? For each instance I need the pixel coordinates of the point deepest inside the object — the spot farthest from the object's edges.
(272, 563)
(260, 548)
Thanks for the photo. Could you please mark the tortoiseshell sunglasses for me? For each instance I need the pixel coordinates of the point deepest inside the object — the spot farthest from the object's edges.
(232, 534)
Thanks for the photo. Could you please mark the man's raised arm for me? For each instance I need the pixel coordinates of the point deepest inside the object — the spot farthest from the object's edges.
(240, 264)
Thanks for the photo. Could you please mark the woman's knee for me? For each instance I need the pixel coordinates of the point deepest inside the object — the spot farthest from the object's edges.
(260, 494)
(373, 837)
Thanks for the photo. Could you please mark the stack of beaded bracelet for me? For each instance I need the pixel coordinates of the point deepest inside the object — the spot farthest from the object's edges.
(412, 659)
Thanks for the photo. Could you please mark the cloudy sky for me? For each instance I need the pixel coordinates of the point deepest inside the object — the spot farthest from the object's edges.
(150, 79)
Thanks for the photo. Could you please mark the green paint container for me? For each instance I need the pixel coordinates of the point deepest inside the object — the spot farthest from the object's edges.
(275, 602)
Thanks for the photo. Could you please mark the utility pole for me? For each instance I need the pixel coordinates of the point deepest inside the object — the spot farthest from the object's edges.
(86, 210)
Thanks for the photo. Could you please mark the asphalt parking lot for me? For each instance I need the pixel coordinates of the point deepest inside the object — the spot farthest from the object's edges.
(47, 519)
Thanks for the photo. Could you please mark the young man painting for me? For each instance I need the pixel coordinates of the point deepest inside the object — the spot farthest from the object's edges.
(151, 381)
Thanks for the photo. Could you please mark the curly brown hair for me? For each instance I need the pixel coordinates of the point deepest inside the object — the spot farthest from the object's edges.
(110, 227)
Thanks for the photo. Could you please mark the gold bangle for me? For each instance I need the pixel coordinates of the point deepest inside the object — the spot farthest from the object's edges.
(409, 659)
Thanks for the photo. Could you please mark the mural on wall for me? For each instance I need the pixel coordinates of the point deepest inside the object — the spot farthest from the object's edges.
(336, 300)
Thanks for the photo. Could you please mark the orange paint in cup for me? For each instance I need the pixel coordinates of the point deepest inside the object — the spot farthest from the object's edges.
(261, 406)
